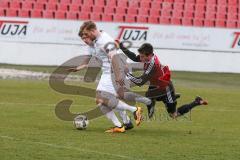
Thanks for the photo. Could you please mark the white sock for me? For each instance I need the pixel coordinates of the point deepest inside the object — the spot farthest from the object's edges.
(124, 116)
(130, 96)
(110, 115)
(144, 100)
(123, 106)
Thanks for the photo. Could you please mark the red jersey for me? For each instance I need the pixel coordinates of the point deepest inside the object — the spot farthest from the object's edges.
(158, 74)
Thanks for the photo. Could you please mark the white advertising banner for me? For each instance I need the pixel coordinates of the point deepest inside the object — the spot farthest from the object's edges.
(160, 36)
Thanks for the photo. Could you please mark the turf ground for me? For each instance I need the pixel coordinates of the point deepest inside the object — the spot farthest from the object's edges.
(29, 128)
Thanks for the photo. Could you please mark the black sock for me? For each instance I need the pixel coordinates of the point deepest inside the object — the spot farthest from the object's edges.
(153, 103)
(186, 108)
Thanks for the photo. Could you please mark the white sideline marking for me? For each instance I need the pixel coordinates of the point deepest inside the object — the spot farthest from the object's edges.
(6, 73)
(7, 137)
(48, 104)
(36, 104)
(68, 147)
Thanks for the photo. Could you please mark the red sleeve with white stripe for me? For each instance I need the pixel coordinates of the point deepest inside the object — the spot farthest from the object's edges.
(145, 76)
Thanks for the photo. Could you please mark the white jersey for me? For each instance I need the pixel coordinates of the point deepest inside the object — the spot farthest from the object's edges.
(97, 50)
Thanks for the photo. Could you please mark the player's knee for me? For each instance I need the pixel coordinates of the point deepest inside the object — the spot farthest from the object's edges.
(113, 102)
(99, 101)
(173, 115)
(107, 99)
(171, 108)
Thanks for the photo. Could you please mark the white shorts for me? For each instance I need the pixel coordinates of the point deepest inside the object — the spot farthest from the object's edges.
(106, 84)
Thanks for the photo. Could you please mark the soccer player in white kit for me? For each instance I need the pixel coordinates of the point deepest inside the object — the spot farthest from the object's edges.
(108, 88)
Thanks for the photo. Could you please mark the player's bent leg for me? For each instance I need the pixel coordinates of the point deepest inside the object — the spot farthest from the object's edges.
(188, 107)
(108, 99)
(110, 115)
(108, 111)
(118, 127)
(151, 108)
(171, 109)
(155, 94)
(133, 97)
(137, 111)
(130, 96)
(114, 103)
(126, 120)
(123, 115)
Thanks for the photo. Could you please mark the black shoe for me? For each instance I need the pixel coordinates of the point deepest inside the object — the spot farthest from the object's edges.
(128, 126)
(151, 108)
(199, 101)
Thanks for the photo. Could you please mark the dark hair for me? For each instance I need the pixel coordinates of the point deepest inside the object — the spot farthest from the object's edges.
(87, 25)
(146, 49)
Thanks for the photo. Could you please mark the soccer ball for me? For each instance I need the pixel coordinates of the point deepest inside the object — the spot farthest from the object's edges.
(81, 122)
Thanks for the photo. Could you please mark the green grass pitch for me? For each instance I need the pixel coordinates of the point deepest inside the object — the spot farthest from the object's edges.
(29, 129)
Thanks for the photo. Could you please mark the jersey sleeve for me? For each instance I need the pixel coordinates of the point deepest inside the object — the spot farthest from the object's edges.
(106, 43)
(129, 54)
(145, 76)
(90, 51)
(109, 47)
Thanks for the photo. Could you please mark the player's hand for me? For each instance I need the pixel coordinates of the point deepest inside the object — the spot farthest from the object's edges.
(120, 44)
(126, 70)
(120, 92)
(117, 42)
(72, 69)
(120, 82)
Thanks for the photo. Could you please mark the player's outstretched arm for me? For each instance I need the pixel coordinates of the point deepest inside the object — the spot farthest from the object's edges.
(115, 59)
(144, 78)
(128, 53)
(139, 81)
(82, 66)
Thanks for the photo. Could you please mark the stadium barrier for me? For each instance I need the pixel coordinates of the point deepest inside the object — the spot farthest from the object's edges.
(51, 42)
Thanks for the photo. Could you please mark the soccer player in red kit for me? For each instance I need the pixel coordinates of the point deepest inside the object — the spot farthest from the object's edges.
(161, 87)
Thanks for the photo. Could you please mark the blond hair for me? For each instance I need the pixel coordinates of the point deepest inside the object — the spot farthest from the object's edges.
(87, 25)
